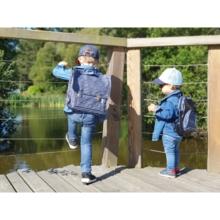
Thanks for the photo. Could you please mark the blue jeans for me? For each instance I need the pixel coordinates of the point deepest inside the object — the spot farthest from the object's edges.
(171, 148)
(88, 123)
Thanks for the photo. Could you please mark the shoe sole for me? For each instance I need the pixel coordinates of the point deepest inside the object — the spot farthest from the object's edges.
(164, 175)
(87, 181)
(72, 147)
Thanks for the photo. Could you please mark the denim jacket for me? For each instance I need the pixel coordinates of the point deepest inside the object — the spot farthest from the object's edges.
(64, 73)
(166, 114)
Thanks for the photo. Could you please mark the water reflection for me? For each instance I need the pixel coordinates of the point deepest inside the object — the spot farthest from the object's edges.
(39, 144)
(20, 164)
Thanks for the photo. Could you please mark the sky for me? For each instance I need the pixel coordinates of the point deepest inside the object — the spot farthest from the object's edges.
(112, 13)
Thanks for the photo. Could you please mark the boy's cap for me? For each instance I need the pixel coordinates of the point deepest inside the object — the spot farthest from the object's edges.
(89, 50)
(170, 76)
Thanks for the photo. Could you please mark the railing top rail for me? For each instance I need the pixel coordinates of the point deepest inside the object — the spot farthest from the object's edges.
(62, 37)
(173, 41)
(21, 33)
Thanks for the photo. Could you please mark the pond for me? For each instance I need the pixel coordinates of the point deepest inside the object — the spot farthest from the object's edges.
(39, 144)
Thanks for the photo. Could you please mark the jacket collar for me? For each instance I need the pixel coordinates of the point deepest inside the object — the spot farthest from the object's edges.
(87, 69)
(176, 93)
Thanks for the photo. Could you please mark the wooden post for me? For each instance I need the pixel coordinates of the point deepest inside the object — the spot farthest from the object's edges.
(214, 109)
(134, 108)
(111, 126)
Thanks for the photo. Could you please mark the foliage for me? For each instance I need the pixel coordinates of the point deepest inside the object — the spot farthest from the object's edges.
(185, 58)
(26, 56)
(47, 56)
(7, 74)
(35, 61)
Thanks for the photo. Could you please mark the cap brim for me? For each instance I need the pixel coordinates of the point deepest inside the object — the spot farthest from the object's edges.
(158, 82)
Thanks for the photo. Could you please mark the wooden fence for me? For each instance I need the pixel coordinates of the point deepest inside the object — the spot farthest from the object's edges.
(130, 48)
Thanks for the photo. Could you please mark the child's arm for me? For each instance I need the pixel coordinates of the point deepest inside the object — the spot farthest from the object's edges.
(61, 71)
(165, 112)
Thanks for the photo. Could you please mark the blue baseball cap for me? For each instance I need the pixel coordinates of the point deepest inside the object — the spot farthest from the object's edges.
(89, 50)
(170, 76)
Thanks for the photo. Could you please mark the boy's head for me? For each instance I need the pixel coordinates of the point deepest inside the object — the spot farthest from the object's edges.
(88, 54)
(170, 79)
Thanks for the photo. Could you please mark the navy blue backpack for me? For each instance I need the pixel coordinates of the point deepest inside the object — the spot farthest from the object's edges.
(88, 91)
(185, 125)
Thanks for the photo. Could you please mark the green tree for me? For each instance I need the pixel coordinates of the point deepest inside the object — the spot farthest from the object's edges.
(25, 58)
(47, 56)
(187, 59)
(7, 76)
(40, 72)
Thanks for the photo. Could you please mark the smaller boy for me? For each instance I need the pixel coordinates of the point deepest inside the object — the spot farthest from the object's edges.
(87, 58)
(165, 115)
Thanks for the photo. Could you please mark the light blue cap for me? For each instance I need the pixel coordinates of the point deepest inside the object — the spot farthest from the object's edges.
(170, 76)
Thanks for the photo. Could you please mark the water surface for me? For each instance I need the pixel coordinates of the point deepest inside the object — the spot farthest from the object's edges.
(39, 144)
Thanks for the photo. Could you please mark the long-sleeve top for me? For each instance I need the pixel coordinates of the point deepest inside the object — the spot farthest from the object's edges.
(61, 72)
(166, 114)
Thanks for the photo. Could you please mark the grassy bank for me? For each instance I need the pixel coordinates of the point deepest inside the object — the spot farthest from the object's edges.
(45, 100)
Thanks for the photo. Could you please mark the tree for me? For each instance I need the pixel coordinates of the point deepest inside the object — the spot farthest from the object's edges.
(7, 85)
(190, 60)
(47, 56)
(25, 58)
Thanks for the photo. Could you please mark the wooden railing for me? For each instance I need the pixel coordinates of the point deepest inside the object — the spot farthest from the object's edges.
(119, 47)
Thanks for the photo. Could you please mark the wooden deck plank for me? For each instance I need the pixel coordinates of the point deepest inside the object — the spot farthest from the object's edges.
(182, 181)
(187, 183)
(210, 182)
(57, 183)
(170, 184)
(126, 182)
(195, 186)
(203, 174)
(144, 186)
(165, 184)
(75, 180)
(115, 179)
(100, 185)
(18, 183)
(110, 176)
(34, 181)
(5, 185)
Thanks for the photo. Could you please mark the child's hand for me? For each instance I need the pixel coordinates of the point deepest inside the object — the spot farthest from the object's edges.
(63, 63)
(152, 108)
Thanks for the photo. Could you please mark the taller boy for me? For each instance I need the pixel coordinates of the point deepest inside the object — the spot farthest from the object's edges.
(81, 107)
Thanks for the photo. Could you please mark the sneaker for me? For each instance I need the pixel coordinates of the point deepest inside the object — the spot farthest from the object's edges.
(178, 171)
(181, 171)
(88, 178)
(72, 143)
(169, 174)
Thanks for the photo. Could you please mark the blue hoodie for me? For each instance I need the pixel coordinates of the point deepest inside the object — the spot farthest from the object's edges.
(166, 114)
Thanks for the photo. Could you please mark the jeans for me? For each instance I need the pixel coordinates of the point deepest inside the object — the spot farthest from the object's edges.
(171, 148)
(88, 123)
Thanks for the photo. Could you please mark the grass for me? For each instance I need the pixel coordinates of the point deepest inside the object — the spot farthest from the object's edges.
(45, 100)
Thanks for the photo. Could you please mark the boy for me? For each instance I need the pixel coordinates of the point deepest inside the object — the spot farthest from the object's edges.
(166, 113)
(87, 58)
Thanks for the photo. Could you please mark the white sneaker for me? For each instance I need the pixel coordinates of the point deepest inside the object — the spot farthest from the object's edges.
(88, 178)
(72, 143)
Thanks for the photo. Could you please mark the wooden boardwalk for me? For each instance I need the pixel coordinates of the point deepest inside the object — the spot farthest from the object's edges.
(119, 179)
